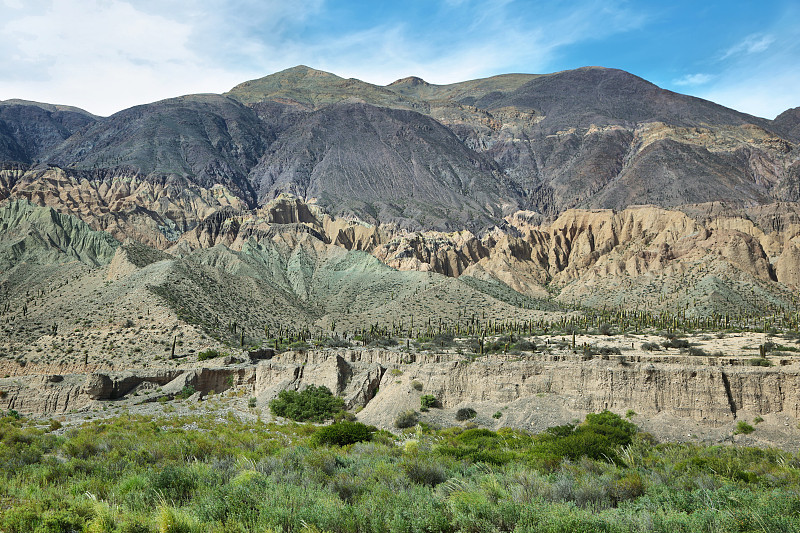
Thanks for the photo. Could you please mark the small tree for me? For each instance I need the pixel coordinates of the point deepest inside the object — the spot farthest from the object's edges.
(314, 404)
(426, 401)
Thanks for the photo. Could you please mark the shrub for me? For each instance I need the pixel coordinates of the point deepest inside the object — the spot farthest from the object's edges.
(650, 346)
(313, 404)
(416, 385)
(343, 433)
(697, 352)
(497, 415)
(743, 428)
(299, 346)
(466, 413)
(424, 471)
(611, 425)
(426, 401)
(760, 361)
(185, 392)
(208, 354)
(608, 350)
(406, 419)
(525, 345)
(173, 482)
(676, 343)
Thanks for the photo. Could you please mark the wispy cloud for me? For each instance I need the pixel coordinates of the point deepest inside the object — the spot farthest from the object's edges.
(691, 80)
(105, 55)
(752, 44)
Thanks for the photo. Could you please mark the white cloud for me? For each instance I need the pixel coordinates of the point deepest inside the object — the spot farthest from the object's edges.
(763, 97)
(752, 44)
(106, 55)
(495, 40)
(693, 79)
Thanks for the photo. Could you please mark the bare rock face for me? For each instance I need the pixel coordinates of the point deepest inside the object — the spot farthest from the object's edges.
(787, 268)
(98, 386)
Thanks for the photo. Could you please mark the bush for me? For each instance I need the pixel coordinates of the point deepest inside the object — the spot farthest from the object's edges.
(743, 428)
(406, 419)
(314, 404)
(466, 413)
(759, 361)
(416, 385)
(186, 391)
(342, 434)
(697, 352)
(426, 401)
(596, 439)
(497, 415)
(676, 343)
(650, 346)
(208, 354)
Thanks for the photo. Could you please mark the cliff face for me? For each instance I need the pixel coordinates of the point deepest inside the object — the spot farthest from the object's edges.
(531, 392)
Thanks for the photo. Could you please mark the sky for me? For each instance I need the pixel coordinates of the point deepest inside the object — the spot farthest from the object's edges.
(108, 55)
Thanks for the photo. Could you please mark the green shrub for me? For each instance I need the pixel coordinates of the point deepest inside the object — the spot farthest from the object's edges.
(760, 361)
(426, 401)
(650, 346)
(466, 413)
(406, 419)
(608, 424)
(416, 385)
(313, 404)
(208, 354)
(173, 482)
(596, 439)
(343, 433)
(743, 428)
(497, 415)
(186, 392)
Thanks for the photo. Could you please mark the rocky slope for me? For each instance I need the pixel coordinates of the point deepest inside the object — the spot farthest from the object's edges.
(29, 130)
(430, 157)
(674, 397)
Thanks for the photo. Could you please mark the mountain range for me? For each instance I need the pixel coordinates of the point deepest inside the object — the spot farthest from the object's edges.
(589, 187)
(424, 156)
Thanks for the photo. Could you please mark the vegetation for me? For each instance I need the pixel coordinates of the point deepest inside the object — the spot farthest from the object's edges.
(343, 433)
(209, 354)
(406, 419)
(313, 404)
(466, 413)
(208, 474)
(426, 401)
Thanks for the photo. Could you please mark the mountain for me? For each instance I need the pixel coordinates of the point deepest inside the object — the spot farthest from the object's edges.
(788, 123)
(386, 165)
(28, 130)
(208, 138)
(590, 137)
(421, 155)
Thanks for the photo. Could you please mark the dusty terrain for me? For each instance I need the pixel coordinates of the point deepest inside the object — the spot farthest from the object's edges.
(667, 392)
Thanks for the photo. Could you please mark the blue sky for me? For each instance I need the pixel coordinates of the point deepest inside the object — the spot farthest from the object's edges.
(106, 55)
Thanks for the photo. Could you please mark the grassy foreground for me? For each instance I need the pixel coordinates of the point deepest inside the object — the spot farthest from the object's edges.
(137, 474)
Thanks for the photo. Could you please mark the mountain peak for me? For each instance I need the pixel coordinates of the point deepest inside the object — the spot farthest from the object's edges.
(410, 80)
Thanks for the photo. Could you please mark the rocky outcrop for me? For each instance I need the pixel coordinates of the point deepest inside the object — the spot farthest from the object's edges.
(533, 392)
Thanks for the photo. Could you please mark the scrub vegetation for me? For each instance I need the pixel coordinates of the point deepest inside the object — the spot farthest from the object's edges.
(209, 474)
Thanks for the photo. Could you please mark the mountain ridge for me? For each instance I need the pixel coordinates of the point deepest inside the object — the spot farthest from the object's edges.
(591, 137)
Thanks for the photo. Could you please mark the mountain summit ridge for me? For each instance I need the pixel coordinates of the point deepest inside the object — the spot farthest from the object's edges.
(477, 150)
